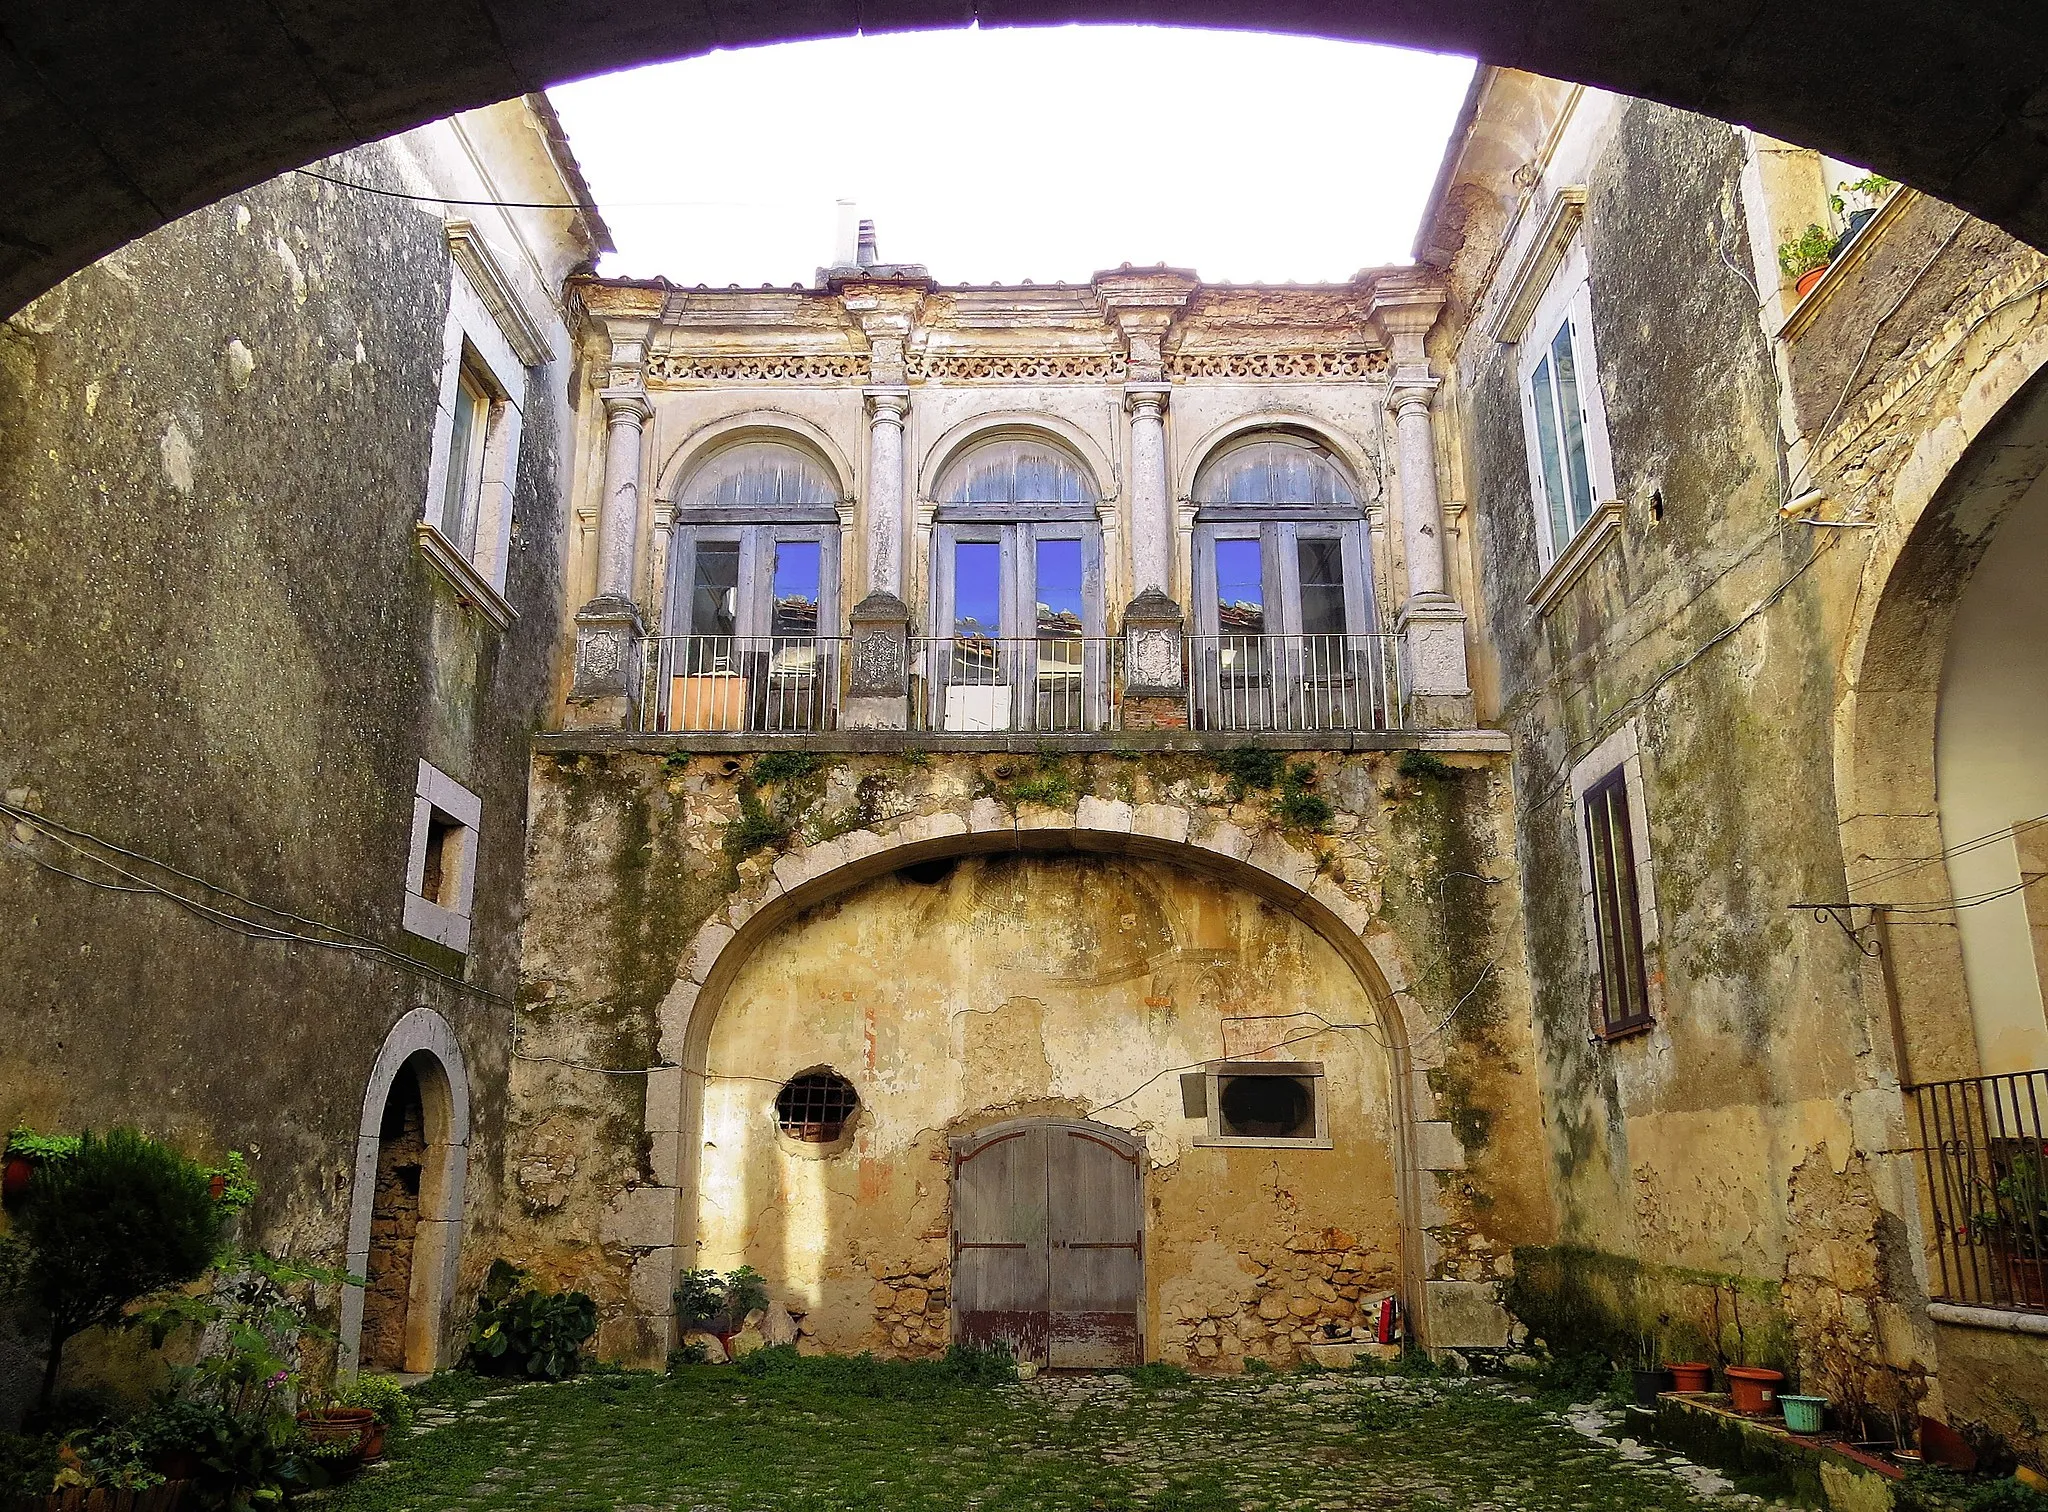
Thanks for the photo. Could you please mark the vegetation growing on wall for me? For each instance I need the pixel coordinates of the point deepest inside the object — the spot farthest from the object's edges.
(1585, 1301)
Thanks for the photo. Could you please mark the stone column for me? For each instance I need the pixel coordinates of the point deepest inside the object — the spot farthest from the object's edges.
(886, 408)
(878, 688)
(609, 628)
(1151, 496)
(1431, 623)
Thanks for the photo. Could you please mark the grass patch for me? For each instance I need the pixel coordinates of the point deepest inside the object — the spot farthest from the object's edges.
(960, 1369)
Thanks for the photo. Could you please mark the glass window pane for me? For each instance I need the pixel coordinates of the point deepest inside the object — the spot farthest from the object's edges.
(465, 463)
(797, 574)
(977, 588)
(1321, 563)
(1273, 472)
(1059, 589)
(759, 474)
(1547, 448)
(1624, 993)
(1240, 587)
(1574, 431)
(715, 593)
(1014, 472)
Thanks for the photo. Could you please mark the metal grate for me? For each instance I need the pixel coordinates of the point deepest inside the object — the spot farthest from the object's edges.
(1981, 1139)
(814, 1107)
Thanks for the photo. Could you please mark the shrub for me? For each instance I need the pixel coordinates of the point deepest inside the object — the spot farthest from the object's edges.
(1249, 767)
(705, 1299)
(962, 1368)
(1423, 764)
(1157, 1373)
(381, 1394)
(1812, 248)
(122, 1217)
(521, 1330)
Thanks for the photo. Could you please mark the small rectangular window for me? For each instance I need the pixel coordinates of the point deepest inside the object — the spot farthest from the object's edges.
(1617, 905)
(1321, 564)
(441, 863)
(1262, 1104)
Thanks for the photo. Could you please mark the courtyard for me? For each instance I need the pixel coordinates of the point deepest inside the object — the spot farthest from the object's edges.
(797, 1439)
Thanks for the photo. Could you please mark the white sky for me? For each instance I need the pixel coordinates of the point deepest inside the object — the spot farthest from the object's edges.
(1000, 156)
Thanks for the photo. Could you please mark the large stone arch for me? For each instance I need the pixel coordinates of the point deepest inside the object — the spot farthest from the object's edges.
(425, 1040)
(1269, 868)
(121, 116)
(1964, 476)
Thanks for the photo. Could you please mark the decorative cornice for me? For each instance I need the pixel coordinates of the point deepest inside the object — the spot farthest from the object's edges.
(677, 369)
(471, 586)
(1017, 367)
(522, 332)
(1538, 263)
(1357, 362)
(1570, 564)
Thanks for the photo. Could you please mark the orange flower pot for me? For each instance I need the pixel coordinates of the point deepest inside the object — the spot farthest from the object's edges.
(1754, 1389)
(1692, 1376)
(1807, 280)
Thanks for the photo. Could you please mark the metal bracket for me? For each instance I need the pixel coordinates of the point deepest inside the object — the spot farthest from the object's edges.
(1843, 917)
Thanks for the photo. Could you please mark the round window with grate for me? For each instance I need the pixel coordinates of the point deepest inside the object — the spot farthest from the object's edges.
(816, 1107)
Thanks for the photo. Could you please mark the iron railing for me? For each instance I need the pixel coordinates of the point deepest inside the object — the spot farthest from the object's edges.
(1296, 682)
(1986, 1170)
(745, 682)
(969, 683)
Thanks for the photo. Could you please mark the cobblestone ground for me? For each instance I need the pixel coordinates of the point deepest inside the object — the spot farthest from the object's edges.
(714, 1441)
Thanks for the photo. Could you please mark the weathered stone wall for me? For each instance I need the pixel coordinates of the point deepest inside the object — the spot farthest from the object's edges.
(229, 655)
(1677, 1151)
(394, 1223)
(634, 851)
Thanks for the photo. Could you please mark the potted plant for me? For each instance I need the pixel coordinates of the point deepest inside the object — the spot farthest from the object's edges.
(1649, 1380)
(1806, 257)
(384, 1398)
(1857, 200)
(1802, 1413)
(717, 1304)
(26, 1150)
(1754, 1389)
(2015, 1226)
(1691, 1375)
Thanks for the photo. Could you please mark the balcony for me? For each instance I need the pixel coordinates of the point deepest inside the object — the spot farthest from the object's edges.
(1983, 1159)
(1051, 685)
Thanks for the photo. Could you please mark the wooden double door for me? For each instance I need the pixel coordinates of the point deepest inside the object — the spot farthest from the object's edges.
(1048, 1244)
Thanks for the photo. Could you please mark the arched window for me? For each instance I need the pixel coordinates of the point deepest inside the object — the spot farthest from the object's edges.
(1016, 592)
(1283, 591)
(752, 593)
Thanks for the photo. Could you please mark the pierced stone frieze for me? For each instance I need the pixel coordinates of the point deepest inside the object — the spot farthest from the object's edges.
(1017, 367)
(1281, 365)
(667, 368)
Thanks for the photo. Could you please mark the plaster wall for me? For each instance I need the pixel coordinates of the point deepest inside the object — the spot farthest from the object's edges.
(1068, 986)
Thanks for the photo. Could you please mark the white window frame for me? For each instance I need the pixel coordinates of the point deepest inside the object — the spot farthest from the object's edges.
(1623, 750)
(440, 795)
(1568, 298)
(1212, 1077)
(474, 342)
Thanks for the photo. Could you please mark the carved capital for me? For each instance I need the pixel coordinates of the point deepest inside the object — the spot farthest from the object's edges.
(888, 403)
(1404, 317)
(626, 406)
(1147, 401)
(1405, 394)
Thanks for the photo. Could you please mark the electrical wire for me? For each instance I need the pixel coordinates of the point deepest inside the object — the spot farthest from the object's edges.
(1976, 842)
(498, 204)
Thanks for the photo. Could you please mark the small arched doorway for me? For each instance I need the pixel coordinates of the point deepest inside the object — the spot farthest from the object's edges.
(405, 1213)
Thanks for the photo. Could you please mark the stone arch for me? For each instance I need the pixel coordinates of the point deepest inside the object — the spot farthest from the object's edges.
(1025, 424)
(1267, 867)
(1963, 479)
(752, 425)
(423, 1043)
(1351, 454)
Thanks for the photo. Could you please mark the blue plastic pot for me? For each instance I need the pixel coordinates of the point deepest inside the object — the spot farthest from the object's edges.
(1802, 1413)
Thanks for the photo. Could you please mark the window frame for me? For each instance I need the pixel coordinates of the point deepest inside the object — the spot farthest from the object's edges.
(755, 616)
(1216, 1072)
(444, 920)
(1566, 302)
(1614, 768)
(473, 547)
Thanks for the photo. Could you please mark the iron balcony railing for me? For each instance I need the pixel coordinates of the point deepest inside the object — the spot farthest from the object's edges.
(1296, 682)
(745, 682)
(972, 683)
(1983, 1159)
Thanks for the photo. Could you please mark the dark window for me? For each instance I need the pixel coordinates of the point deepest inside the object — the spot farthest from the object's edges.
(1266, 1107)
(714, 599)
(444, 848)
(815, 1107)
(1617, 908)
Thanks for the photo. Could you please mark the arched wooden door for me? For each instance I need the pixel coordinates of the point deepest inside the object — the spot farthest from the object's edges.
(1048, 1242)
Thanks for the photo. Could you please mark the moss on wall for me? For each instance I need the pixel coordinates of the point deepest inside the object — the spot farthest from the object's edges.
(1579, 1300)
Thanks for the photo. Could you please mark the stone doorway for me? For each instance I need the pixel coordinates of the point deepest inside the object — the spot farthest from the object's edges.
(1048, 1243)
(394, 1223)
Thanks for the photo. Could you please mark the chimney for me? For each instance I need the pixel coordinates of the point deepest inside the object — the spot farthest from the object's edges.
(847, 238)
(865, 255)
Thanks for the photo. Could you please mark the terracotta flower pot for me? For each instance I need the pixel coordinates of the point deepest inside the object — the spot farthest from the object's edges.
(1692, 1375)
(2026, 1277)
(217, 1188)
(340, 1425)
(1809, 279)
(15, 1177)
(1754, 1389)
(373, 1441)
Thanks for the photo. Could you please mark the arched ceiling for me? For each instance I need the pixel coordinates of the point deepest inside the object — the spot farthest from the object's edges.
(117, 115)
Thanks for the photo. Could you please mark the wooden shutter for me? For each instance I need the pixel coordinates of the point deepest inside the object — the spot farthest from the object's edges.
(1094, 1222)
